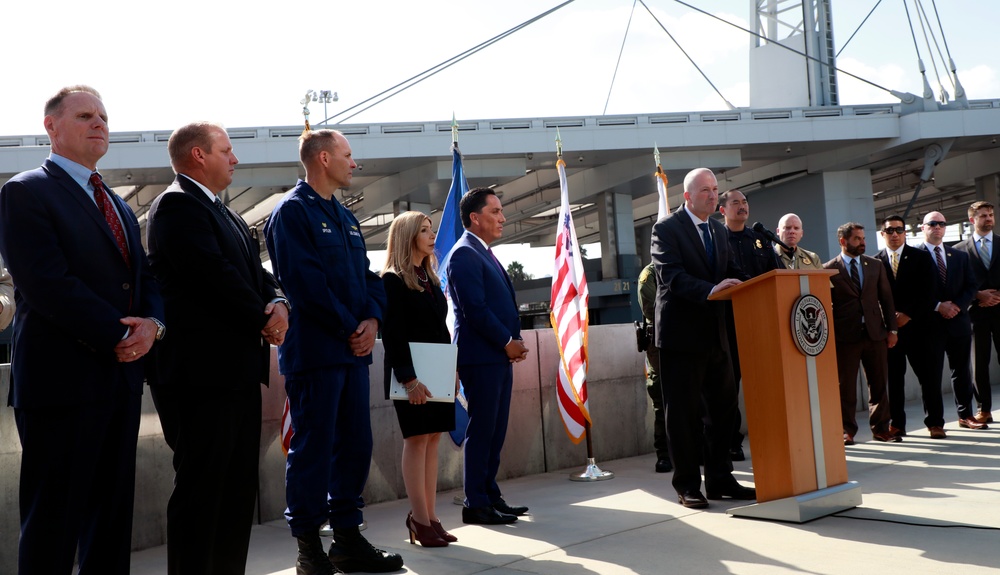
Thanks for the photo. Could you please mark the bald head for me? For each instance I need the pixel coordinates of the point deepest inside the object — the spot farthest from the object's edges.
(790, 230)
(933, 228)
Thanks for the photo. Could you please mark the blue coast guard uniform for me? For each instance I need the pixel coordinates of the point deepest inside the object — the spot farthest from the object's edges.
(320, 260)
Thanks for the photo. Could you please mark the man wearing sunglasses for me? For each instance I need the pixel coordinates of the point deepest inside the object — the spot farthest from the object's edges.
(985, 311)
(911, 273)
(949, 331)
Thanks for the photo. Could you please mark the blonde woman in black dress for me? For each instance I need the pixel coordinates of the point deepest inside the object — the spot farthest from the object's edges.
(416, 313)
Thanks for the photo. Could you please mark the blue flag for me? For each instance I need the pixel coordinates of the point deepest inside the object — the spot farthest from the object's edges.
(449, 231)
(451, 228)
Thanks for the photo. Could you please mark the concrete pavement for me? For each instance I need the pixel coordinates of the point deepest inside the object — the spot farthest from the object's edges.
(930, 506)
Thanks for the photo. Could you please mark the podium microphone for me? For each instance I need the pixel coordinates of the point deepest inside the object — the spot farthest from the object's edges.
(760, 229)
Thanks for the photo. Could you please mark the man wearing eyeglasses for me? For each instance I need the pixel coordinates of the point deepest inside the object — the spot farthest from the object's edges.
(911, 275)
(985, 313)
(949, 330)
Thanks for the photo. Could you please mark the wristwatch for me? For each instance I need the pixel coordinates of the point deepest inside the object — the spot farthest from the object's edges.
(161, 329)
(894, 332)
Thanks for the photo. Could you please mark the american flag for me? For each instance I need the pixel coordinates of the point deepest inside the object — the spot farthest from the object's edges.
(661, 188)
(569, 320)
(286, 428)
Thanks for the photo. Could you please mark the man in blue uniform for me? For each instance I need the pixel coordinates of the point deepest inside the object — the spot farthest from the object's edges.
(321, 262)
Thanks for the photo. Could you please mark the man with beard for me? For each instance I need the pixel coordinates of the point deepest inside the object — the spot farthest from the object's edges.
(755, 256)
(985, 312)
(864, 318)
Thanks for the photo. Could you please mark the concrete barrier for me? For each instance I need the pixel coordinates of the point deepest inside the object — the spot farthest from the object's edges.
(536, 440)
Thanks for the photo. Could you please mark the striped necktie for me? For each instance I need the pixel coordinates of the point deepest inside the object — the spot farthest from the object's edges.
(984, 251)
(895, 263)
(942, 270)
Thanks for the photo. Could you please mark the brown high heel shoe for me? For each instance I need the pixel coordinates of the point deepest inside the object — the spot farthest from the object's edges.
(442, 533)
(425, 534)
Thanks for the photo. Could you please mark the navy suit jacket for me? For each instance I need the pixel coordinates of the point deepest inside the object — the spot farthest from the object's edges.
(483, 299)
(319, 256)
(72, 288)
(215, 291)
(960, 289)
(685, 319)
(986, 278)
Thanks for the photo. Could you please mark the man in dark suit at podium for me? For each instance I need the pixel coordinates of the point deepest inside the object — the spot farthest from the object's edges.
(949, 331)
(985, 311)
(693, 259)
(911, 276)
(865, 321)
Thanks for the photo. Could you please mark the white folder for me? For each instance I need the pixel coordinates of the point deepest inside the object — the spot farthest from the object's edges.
(434, 364)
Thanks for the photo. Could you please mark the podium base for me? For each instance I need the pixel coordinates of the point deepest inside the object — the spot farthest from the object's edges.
(592, 473)
(805, 507)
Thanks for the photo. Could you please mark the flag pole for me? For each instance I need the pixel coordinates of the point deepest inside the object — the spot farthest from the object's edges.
(592, 472)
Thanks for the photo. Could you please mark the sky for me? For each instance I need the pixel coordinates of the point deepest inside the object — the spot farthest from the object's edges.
(250, 62)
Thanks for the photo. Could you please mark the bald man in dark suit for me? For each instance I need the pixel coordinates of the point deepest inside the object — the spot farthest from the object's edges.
(693, 259)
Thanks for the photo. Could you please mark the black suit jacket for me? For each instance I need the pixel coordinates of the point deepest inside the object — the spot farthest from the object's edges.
(214, 289)
(72, 288)
(960, 289)
(685, 319)
(874, 302)
(411, 315)
(912, 287)
(986, 278)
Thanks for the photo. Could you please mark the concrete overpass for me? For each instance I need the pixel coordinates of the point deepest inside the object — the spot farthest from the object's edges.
(830, 164)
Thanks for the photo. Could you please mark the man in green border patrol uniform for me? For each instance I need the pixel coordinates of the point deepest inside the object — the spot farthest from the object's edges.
(647, 302)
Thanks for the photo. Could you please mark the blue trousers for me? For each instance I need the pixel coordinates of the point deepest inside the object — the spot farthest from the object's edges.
(331, 449)
(488, 388)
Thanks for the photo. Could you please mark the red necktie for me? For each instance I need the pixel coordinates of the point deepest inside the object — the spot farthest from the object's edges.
(104, 205)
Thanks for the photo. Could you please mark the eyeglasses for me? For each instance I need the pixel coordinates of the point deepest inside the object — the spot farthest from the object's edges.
(890, 231)
(935, 224)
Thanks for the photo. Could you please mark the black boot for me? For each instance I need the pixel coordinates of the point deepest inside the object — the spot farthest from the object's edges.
(351, 552)
(312, 560)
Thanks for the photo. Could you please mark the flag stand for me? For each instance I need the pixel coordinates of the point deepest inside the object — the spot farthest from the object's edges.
(592, 472)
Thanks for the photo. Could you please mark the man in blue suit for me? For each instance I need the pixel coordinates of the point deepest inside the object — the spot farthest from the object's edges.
(488, 335)
(950, 330)
(88, 311)
(321, 262)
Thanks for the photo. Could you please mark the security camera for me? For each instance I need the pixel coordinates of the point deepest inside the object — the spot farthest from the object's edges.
(580, 159)
(361, 167)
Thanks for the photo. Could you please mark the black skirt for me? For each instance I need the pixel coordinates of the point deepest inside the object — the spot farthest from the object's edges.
(431, 417)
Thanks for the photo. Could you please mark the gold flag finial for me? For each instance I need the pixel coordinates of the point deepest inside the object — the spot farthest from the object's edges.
(310, 97)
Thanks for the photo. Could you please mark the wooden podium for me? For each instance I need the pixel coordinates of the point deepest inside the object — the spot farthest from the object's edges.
(784, 327)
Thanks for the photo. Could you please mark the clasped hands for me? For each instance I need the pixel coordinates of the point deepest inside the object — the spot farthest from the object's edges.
(277, 323)
(516, 350)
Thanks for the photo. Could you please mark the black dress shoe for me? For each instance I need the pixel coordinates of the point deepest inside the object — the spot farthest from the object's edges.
(664, 466)
(692, 499)
(734, 491)
(485, 516)
(516, 510)
(736, 454)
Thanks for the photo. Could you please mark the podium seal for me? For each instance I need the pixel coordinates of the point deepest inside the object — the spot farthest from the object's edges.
(810, 325)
